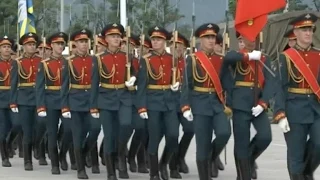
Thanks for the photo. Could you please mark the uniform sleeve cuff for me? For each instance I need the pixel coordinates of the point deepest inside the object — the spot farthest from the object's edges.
(94, 110)
(13, 105)
(279, 116)
(141, 110)
(40, 109)
(63, 110)
(185, 108)
(263, 104)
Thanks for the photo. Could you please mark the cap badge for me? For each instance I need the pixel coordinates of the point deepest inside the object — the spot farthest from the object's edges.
(156, 28)
(5, 37)
(30, 34)
(114, 25)
(210, 26)
(83, 31)
(308, 16)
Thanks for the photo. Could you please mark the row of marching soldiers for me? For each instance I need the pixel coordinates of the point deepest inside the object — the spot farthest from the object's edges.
(157, 92)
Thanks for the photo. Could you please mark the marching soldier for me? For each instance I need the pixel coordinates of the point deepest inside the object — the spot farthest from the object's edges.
(75, 95)
(297, 105)
(48, 85)
(22, 98)
(216, 164)
(139, 138)
(111, 99)
(203, 96)
(156, 101)
(250, 105)
(292, 39)
(177, 162)
(5, 72)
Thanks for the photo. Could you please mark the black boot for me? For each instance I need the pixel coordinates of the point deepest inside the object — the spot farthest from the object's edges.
(312, 162)
(20, 146)
(81, 169)
(123, 171)
(54, 160)
(219, 163)
(141, 158)
(42, 154)
(203, 170)
(163, 164)
(154, 167)
(297, 177)
(183, 148)
(173, 166)
(110, 164)
(95, 160)
(101, 154)
(254, 173)
(244, 169)
(4, 154)
(72, 158)
(213, 168)
(134, 147)
(27, 150)
(63, 156)
(12, 136)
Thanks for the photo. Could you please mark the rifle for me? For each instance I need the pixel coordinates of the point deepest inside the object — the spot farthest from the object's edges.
(142, 37)
(128, 62)
(259, 42)
(174, 57)
(44, 47)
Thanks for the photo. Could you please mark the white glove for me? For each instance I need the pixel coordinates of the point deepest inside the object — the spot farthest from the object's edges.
(66, 115)
(42, 114)
(131, 81)
(256, 111)
(144, 115)
(15, 110)
(284, 125)
(136, 87)
(175, 87)
(95, 115)
(188, 115)
(255, 55)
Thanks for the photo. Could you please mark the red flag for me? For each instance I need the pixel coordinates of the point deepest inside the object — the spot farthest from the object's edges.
(252, 15)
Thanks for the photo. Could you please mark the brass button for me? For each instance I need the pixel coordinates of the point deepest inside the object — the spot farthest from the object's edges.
(306, 54)
(116, 64)
(115, 56)
(117, 72)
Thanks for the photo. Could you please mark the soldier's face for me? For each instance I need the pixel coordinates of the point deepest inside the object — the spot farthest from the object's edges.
(241, 44)
(48, 52)
(5, 50)
(292, 42)
(158, 43)
(100, 48)
(82, 45)
(208, 42)
(58, 48)
(304, 35)
(29, 47)
(218, 48)
(180, 49)
(113, 40)
(250, 45)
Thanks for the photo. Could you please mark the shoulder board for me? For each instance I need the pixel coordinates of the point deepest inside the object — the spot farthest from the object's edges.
(70, 57)
(46, 59)
(315, 48)
(219, 54)
(147, 55)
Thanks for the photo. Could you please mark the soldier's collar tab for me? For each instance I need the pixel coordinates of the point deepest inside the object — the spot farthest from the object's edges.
(113, 52)
(159, 54)
(301, 48)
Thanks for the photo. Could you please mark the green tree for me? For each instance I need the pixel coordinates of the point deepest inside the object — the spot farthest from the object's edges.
(316, 4)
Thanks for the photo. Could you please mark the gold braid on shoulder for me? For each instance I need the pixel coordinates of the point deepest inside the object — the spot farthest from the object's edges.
(195, 73)
(296, 78)
(150, 72)
(46, 70)
(77, 78)
(21, 72)
(102, 72)
(5, 77)
(241, 70)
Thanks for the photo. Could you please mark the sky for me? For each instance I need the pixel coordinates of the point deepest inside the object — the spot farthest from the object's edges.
(205, 10)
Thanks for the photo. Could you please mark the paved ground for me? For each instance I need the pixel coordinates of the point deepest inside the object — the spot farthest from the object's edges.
(272, 165)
